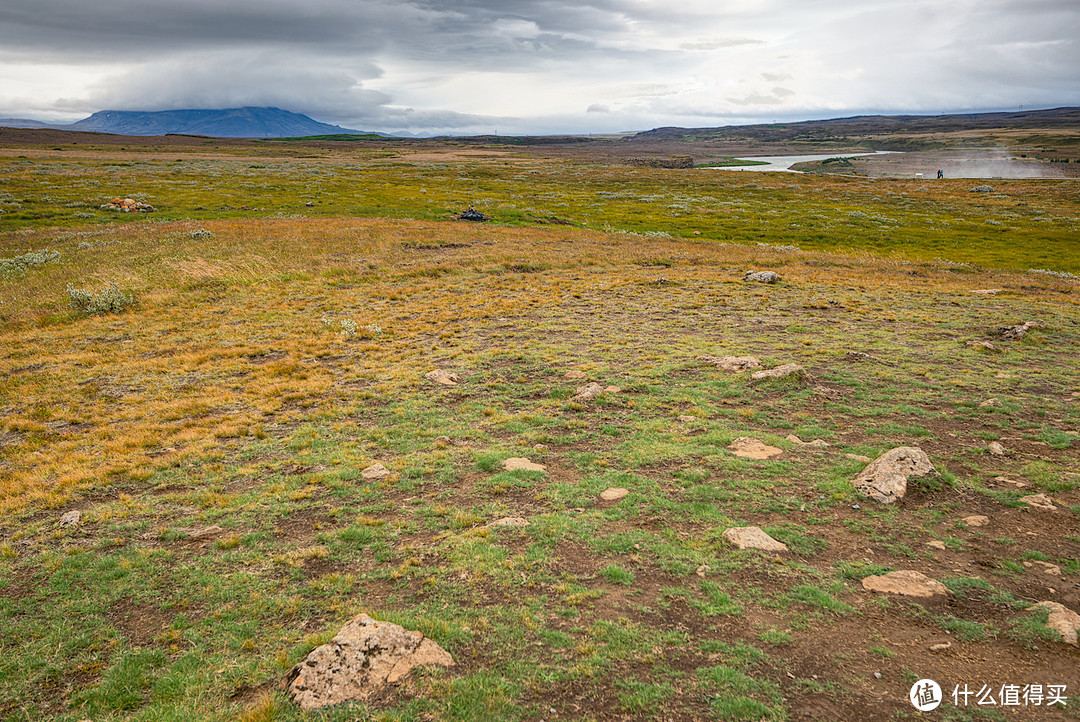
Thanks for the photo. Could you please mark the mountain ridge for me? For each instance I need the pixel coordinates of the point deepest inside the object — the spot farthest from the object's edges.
(245, 122)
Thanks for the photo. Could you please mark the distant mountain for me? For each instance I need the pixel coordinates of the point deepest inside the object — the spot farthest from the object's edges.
(228, 123)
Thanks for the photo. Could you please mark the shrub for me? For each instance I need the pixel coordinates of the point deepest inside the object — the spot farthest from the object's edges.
(18, 264)
(108, 300)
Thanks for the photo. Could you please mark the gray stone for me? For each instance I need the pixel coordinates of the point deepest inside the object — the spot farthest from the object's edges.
(885, 478)
(363, 659)
(1017, 332)
(995, 448)
(762, 276)
(982, 189)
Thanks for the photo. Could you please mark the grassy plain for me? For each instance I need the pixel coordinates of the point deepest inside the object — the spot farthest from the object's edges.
(287, 302)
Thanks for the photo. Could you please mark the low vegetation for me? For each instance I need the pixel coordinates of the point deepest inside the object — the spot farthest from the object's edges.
(213, 433)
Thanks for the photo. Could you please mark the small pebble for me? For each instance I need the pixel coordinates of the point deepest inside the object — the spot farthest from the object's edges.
(856, 507)
(877, 675)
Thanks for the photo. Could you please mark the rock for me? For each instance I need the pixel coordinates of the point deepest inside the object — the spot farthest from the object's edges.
(982, 189)
(1062, 619)
(752, 537)
(994, 402)
(988, 291)
(985, 345)
(935, 544)
(1039, 501)
(442, 376)
(885, 478)
(940, 646)
(613, 494)
(1017, 332)
(761, 276)
(975, 520)
(748, 448)
(612, 389)
(780, 372)
(1046, 567)
(363, 659)
(70, 519)
(520, 463)
(995, 448)
(472, 215)
(702, 570)
(574, 374)
(1006, 480)
(375, 472)
(686, 419)
(127, 205)
(510, 521)
(816, 443)
(588, 392)
(732, 364)
(905, 583)
(858, 457)
(205, 532)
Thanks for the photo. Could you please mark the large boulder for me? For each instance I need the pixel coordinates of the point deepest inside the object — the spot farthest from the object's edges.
(885, 478)
(363, 659)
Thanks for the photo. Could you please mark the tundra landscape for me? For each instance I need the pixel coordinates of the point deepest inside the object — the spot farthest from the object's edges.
(286, 385)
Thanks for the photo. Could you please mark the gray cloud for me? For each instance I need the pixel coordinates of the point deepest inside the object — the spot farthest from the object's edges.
(534, 64)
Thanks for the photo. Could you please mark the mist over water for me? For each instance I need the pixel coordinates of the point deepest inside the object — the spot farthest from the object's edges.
(1001, 169)
(974, 163)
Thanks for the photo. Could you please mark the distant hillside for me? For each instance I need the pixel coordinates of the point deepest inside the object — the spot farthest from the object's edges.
(842, 129)
(22, 123)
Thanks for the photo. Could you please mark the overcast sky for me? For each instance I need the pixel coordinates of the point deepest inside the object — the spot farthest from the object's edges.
(538, 66)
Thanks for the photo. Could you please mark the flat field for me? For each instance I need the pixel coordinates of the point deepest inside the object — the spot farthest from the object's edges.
(274, 319)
